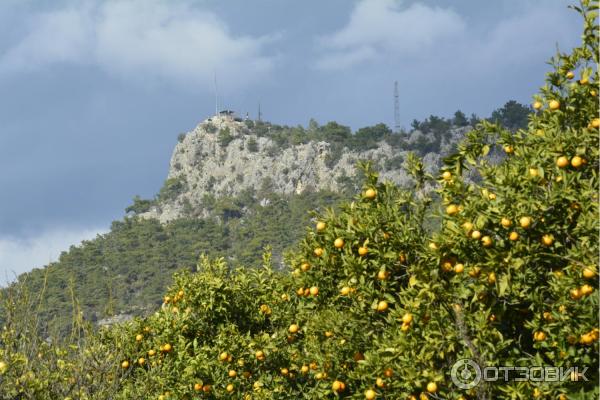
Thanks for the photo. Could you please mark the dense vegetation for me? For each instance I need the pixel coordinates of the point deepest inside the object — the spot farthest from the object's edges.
(376, 306)
(127, 269)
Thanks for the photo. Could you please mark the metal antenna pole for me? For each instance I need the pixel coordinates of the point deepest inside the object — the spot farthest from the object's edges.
(396, 107)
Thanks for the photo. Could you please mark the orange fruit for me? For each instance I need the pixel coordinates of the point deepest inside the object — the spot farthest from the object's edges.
(570, 75)
(318, 252)
(314, 290)
(362, 251)
(513, 236)
(486, 241)
(321, 226)
(586, 289)
(232, 373)
(505, 222)
(197, 387)
(447, 175)
(508, 149)
(562, 162)
(139, 337)
(370, 394)
(338, 243)
(459, 268)
(525, 222)
(537, 105)
(596, 123)
(345, 291)
(575, 294)
(576, 162)
(229, 388)
(382, 275)
(167, 348)
(293, 328)
(476, 235)
(588, 273)
(492, 277)
(407, 318)
(432, 387)
(554, 104)
(370, 194)
(452, 209)
(539, 336)
(125, 364)
(547, 240)
(382, 306)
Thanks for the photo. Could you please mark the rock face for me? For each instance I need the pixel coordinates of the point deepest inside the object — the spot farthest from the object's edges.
(207, 162)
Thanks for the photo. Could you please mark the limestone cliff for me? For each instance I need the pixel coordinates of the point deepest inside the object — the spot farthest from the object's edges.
(223, 156)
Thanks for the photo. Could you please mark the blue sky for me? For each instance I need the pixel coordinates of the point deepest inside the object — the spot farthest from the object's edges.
(94, 93)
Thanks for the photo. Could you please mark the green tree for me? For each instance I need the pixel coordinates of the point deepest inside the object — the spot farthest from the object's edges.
(512, 115)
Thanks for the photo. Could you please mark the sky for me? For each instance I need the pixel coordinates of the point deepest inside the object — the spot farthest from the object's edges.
(93, 94)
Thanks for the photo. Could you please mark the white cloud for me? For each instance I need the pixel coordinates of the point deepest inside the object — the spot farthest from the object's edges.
(141, 40)
(380, 27)
(21, 255)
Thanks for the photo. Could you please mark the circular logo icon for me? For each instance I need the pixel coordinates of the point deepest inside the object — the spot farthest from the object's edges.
(465, 374)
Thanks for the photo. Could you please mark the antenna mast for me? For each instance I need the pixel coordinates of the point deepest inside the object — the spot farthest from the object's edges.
(396, 107)
(259, 113)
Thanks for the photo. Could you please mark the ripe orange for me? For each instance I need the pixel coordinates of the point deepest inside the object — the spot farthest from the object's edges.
(305, 267)
(554, 104)
(588, 273)
(318, 252)
(586, 289)
(141, 360)
(562, 162)
(304, 369)
(285, 371)
(486, 241)
(388, 372)
(232, 373)
(584, 81)
(345, 291)
(151, 352)
(260, 355)
(447, 175)
(570, 75)
(575, 294)
(314, 291)
(206, 388)
(321, 226)
(370, 194)
(338, 243)
(492, 278)
(513, 236)
(382, 275)
(576, 162)
(139, 337)
(476, 235)
(432, 387)
(539, 336)
(338, 386)
(293, 328)
(452, 209)
(525, 222)
(229, 388)
(407, 318)
(537, 105)
(223, 356)
(547, 240)
(459, 268)
(382, 306)
(505, 222)
(474, 272)
(370, 394)
(167, 348)
(433, 246)
(125, 364)
(596, 123)
(328, 334)
(197, 387)
(534, 172)
(380, 383)
(508, 149)
(468, 226)
(362, 251)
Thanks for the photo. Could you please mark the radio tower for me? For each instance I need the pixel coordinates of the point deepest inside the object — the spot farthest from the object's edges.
(396, 108)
